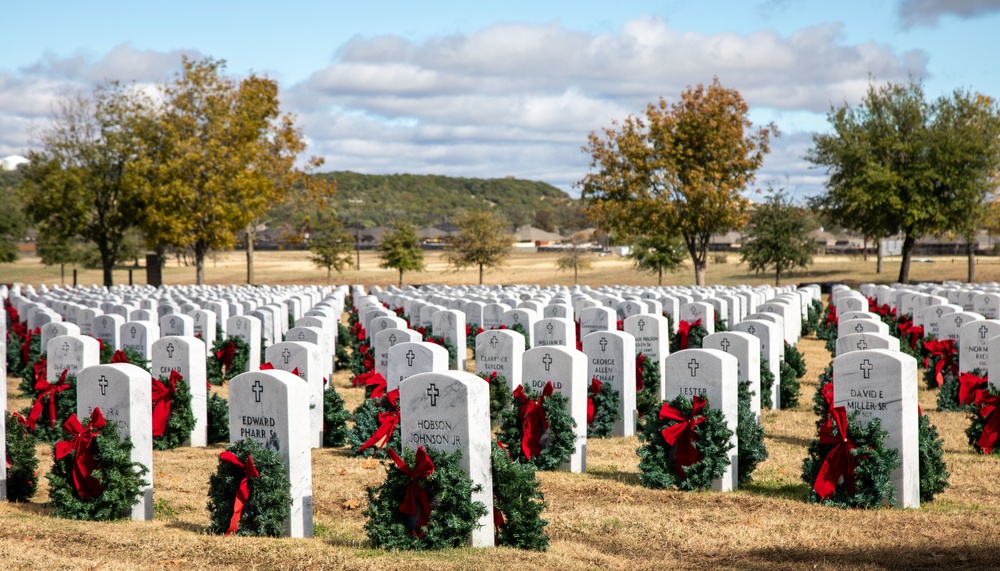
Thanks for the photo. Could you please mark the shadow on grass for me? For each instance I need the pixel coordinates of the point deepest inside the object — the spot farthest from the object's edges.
(613, 474)
(777, 489)
(33, 508)
(967, 557)
(188, 526)
(793, 440)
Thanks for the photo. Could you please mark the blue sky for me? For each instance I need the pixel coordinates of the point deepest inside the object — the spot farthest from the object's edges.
(510, 89)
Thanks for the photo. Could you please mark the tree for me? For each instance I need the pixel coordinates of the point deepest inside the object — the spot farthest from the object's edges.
(400, 250)
(483, 240)
(86, 179)
(57, 250)
(777, 237)
(12, 224)
(682, 169)
(657, 252)
(330, 244)
(224, 156)
(575, 257)
(900, 165)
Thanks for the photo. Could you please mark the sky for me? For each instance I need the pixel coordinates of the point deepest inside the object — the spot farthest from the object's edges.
(507, 89)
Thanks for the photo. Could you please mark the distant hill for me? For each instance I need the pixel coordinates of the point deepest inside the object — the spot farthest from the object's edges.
(432, 199)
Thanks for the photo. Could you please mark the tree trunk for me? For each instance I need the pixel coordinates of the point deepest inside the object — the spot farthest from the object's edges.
(250, 237)
(878, 264)
(970, 251)
(777, 276)
(864, 249)
(659, 276)
(62, 273)
(699, 272)
(576, 270)
(328, 275)
(400, 277)
(480, 274)
(904, 265)
(199, 263)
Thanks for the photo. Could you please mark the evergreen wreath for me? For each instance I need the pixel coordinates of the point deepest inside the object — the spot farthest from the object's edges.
(790, 387)
(810, 324)
(695, 335)
(130, 356)
(180, 419)
(334, 418)
(750, 447)
(933, 471)
(268, 495)
(239, 357)
(37, 372)
(721, 325)
(517, 504)
(499, 395)
(822, 403)
(343, 358)
(658, 466)
(874, 466)
(831, 343)
(951, 392)
(362, 361)
(117, 482)
(556, 442)
(27, 352)
(603, 403)
(44, 427)
(984, 423)
(766, 385)
(940, 362)
(648, 374)
(366, 424)
(22, 463)
(447, 344)
(448, 490)
(519, 327)
(217, 413)
(471, 331)
(795, 360)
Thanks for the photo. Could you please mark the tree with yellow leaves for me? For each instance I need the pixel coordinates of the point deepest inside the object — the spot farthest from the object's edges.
(680, 170)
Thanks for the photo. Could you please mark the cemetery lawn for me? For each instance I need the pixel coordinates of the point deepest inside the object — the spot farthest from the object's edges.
(601, 519)
(294, 267)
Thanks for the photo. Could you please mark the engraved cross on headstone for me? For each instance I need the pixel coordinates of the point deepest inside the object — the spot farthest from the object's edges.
(866, 368)
(133, 332)
(65, 348)
(642, 325)
(103, 383)
(603, 343)
(173, 322)
(547, 361)
(939, 312)
(693, 367)
(958, 321)
(751, 329)
(409, 358)
(859, 328)
(983, 331)
(302, 335)
(494, 342)
(549, 327)
(725, 344)
(258, 390)
(862, 344)
(433, 392)
(170, 350)
(392, 339)
(285, 355)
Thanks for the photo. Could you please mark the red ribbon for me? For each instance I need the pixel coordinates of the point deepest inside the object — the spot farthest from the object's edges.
(387, 423)
(968, 386)
(532, 418)
(683, 329)
(375, 380)
(989, 405)
(41, 369)
(243, 492)
(640, 365)
(831, 318)
(595, 388)
(225, 355)
(84, 463)
(267, 366)
(119, 357)
(826, 429)
(415, 503)
(26, 346)
(944, 352)
(163, 395)
(839, 462)
(49, 391)
(681, 435)
(492, 377)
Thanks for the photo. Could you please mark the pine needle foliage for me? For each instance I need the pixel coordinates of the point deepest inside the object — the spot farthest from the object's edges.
(557, 442)
(517, 496)
(334, 419)
(269, 503)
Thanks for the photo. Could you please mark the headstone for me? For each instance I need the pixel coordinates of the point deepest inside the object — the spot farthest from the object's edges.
(124, 394)
(973, 344)
(566, 368)
(933, 315)
(883, 384)
(611, 360)
(406, 359)
(699, 311)
(247, 328)
(307, 359)
(861, 326)
(186, 356)
(712, 374)
(71, 353)
(651, 334)
(107, 327)
(177, 325)
(500, 351)
(450, 411)
(386, 339)
(596, 319)
(772, 348)
(450, 324)
(272, 408)
(746, 348)
(139, 336)
(866, 341)
(554, 331)
(204, 327)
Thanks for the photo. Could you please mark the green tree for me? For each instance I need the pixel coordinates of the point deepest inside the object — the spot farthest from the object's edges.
(655, 253)
(400, 250)
(12, 223)
(898, 164)
(682, 169)
(86, 178)
(483, 240)
(576, 257)
(330, 244)
(224, 156)
(777, 237)
(57, 250)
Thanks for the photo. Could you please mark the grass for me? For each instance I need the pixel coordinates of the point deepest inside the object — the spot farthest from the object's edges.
(603, 519)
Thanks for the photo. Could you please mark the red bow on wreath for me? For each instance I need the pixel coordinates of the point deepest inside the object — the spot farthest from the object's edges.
(26, 346)
(640, 364)
(968, 386)
(491, 378)
(387, 422)
(119, 357)
(84, 463)
(532, 418)
(595, 388)
(826, 429)
(41, 369)
(944, 351)
(831, 318)
(989, 409)
(839, 462)
(372, 379)
(243, 492)
(163, 395)
(681, 435)
(415, 503)
(683, 329)
(47, 391)
(225, 355)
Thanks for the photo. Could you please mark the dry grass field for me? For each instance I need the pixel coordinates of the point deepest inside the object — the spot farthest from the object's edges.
(603, 519)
